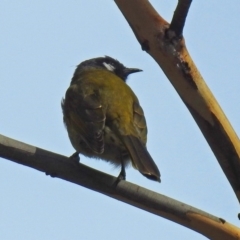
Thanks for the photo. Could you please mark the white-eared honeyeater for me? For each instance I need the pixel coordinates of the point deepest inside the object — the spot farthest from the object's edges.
(103, 116)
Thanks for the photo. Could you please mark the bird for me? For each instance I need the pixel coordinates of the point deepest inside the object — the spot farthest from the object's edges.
(104, 119)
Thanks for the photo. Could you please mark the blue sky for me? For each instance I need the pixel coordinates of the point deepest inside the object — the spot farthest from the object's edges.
(41, 43)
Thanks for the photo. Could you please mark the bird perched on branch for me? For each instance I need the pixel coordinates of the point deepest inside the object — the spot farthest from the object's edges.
(104, 119)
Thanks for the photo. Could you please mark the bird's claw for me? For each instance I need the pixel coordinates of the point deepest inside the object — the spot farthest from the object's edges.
(75, 158)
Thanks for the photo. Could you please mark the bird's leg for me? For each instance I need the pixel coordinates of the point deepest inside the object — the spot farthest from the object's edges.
(122, 174)
(75, 157)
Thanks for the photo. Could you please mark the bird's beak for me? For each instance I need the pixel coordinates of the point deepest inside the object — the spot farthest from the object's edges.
(128, 71)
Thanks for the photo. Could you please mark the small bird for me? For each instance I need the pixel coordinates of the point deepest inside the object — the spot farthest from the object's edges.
(104, 119)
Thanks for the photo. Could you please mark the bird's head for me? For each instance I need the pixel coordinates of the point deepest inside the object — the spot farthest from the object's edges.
(108, 64)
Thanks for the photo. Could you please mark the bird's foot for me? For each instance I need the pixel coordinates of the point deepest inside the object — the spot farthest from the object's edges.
(75, 158)
(121, 176)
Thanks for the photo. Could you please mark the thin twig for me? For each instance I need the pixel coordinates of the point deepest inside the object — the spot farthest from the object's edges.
(179, 17)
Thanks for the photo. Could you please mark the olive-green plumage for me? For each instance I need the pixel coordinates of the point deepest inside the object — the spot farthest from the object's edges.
(103, 116)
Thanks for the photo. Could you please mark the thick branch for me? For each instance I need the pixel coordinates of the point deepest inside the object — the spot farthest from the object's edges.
(172, 56)
(61, 167)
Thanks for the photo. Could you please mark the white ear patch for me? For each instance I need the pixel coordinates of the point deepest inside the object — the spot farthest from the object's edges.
(109, 66)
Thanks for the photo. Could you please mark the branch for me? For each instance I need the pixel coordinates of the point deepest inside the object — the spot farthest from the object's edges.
(179, 17)
(172, 56)
(61, 167)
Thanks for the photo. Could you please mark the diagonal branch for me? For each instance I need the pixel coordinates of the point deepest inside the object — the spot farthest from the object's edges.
(172, 56)
(59, 166)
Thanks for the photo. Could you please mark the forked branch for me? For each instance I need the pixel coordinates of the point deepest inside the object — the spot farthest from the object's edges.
(151, 30)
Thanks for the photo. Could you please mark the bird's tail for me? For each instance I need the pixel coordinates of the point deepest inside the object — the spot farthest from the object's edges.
(141, 159)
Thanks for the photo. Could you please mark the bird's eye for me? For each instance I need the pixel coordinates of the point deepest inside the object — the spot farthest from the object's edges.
(109, 66)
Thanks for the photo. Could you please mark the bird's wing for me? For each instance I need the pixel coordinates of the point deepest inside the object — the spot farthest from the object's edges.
(139, 122)
(84, 111)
